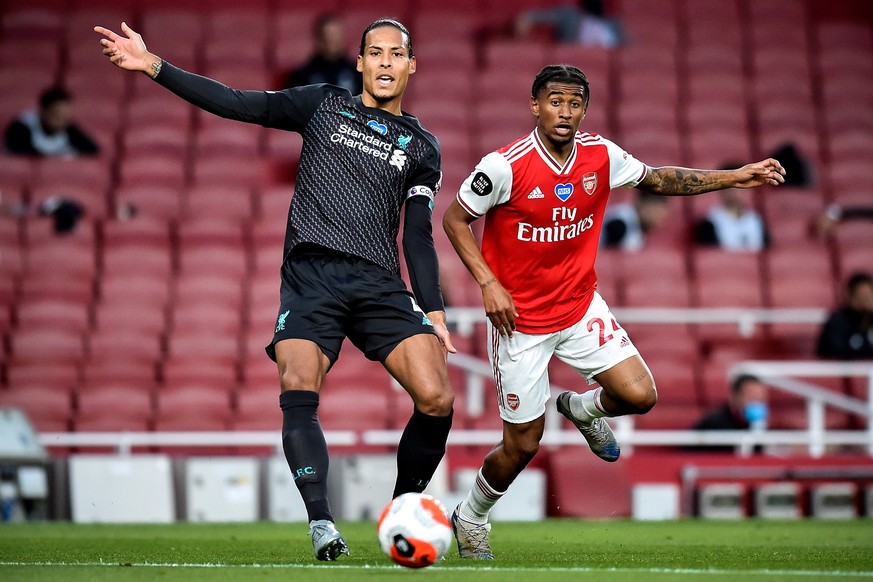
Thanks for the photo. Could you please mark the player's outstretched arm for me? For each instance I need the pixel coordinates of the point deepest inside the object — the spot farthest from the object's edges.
(128, 52)
(676, 181)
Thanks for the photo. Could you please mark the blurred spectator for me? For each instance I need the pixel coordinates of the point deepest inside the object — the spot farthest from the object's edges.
(64, 212)
(50, 130)
(584, 22)
(625, 225)
(329, 62)
(733, 224)
(848, 332)
(746, 407)
(835, 214)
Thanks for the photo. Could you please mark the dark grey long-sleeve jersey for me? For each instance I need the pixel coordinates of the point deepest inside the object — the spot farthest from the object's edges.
(358, 167)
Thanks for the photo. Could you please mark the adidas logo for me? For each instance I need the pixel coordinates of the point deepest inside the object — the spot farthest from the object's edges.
(624, 342)
(536, 193)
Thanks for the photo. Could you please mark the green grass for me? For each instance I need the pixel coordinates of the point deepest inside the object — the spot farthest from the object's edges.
(549, 550)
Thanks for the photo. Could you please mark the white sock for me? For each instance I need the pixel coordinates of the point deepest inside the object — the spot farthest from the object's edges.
(479, 501)
(587, 406)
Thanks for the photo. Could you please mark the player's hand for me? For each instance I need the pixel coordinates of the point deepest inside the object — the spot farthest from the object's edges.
(767, 172)
(128, 52)
(438, 321)
(499, 308)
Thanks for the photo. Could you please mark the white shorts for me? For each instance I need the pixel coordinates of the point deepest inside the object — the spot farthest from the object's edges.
(521, 363)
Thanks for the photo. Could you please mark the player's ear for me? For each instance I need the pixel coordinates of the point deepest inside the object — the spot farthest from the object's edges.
(360, 65)
(412, 65)
(534, 107)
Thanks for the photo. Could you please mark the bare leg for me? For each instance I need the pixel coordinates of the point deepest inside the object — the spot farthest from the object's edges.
(628, 388)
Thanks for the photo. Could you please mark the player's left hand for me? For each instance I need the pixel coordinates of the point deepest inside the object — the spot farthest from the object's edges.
(767, 172)
(438, 320)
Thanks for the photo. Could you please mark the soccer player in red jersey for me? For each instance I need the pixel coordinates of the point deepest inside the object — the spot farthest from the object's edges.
(543, 198)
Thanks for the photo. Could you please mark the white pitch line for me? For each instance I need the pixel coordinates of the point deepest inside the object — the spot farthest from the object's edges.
(446, 568)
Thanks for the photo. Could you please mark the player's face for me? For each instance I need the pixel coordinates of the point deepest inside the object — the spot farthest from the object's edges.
(559, 108)
(385, 66)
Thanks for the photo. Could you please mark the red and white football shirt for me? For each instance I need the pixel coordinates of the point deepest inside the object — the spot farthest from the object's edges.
(543, 221)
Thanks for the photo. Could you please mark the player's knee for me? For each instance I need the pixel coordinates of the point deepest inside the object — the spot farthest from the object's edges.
(643, 398)
(437, 402)
(291, 379)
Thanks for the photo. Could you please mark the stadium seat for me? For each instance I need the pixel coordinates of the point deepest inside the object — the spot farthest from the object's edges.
(652, 278)
(155, 141)
(354, 407)
(257, 408)
(211, 232)
(53, 313)
(27, 372)
(195, 408)
(727, 279)
(293, 36)
(114, 408)
(165, 25)
(800, 277)
(132, 368)
(152, 171)
(55, 345)
(219, 202)
(211, 276)
(158, 199)
(93, 172)
(47, 409)
(193, 360)
(217, 137)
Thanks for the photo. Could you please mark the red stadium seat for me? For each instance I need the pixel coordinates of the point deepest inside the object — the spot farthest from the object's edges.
(159, 198)
(47, 409)
(133, 368)
(56, 345)
(25, 373)
(114, 408)
(194, 408)
(54, 313)
(257, 408)
(219, 202)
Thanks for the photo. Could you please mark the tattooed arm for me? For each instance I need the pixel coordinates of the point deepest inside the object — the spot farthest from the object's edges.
(676, 181)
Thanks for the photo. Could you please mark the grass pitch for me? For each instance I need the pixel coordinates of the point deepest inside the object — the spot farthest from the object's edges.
(605, 551)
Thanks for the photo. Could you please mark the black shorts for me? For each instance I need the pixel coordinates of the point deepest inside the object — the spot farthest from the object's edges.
(327, 296)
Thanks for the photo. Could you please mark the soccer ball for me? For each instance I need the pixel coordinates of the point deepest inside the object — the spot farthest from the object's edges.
(414, 530)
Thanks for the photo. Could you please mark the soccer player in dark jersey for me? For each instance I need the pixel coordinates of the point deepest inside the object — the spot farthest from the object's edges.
(543, 198)
(363, 161)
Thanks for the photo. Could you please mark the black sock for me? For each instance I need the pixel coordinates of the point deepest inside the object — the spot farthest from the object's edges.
(306, 450)
(420, 451)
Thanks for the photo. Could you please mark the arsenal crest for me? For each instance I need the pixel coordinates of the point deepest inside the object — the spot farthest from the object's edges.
(512, 401)
(589, 183)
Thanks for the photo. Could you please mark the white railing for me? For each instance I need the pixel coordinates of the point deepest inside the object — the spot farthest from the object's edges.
(464, 319)
(783, 376)
(779, 375)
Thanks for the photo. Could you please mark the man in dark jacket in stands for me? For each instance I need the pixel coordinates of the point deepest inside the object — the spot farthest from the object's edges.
(49, 131)
(848, 332)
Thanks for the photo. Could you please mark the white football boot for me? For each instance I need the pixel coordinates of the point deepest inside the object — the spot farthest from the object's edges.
(600, 437)
(327, 541)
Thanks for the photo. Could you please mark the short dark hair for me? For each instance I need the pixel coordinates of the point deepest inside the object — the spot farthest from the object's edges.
(560, 74)
(741, 381)
(387, 22)
(53, 95)
(857, 279)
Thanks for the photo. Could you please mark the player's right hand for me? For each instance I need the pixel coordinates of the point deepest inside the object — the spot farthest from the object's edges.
(128, 52)
(499, 308)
